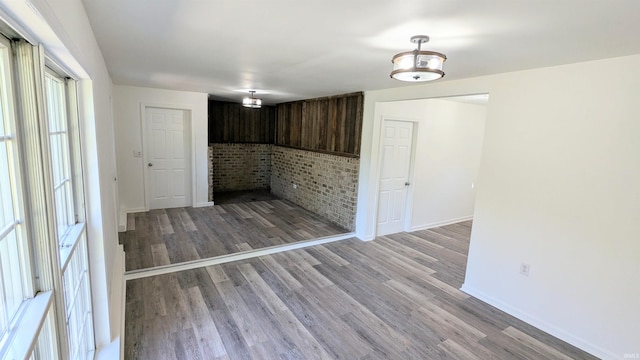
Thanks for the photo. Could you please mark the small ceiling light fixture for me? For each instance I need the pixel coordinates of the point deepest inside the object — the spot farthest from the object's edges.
(418, 65)
(252, 102)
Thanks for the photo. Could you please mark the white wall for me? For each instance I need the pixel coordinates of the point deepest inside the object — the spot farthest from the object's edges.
(558, 189)
(63, 28)
(447, 158)
(128, 117)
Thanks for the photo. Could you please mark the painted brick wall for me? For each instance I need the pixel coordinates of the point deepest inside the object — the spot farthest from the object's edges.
(326, 184)
(239, 167)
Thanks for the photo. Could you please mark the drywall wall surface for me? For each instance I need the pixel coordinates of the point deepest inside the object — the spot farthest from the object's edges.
(129, 103)
(557, 189)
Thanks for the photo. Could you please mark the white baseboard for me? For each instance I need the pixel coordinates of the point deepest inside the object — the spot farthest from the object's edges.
(116, 294)
(110, 352)
(122, 218)
(365, 237)
(441, 223)
(122, 221)
(369, 237)
(117, 299)
(123, 313)
(203, 204)
(540, 324)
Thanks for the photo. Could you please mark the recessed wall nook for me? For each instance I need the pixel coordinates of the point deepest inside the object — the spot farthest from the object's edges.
(305, 151)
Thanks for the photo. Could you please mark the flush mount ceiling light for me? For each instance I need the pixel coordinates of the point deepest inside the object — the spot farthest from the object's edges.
(418, 65)
(252, 102)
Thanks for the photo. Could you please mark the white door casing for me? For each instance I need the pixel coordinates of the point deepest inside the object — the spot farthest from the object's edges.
(395, 153)
(167, 160)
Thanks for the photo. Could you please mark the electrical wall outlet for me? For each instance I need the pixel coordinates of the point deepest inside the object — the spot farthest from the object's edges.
(524, 269)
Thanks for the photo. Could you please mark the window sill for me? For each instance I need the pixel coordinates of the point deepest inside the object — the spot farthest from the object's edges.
(24, 336)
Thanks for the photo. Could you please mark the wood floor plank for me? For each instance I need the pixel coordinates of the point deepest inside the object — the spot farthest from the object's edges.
(131, 222)
(178, 313)
(528, 341)
(283, 313)
(237, 308)
(186, 346)
(418, 297)
(455, 351)
(160, 255)
(357, 258)
(328, 330)
(380, 344)
(154, 301)
(164, 223)
(278, 270)
(396, 261)
(279, 342)
(230, 334)
(134, 304)
(206, 332)
(158, 344)
(449, 325)
(405, 251)
(434, 236)
(395, 314)
(187, 222)
(325, 256)
(392, 298)
(190, 234)
(335, 301)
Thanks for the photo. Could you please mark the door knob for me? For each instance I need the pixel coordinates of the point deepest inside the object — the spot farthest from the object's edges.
(150, 164)
(407, 183)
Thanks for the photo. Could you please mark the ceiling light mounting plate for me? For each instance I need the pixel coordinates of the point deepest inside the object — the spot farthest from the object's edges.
(419, 39)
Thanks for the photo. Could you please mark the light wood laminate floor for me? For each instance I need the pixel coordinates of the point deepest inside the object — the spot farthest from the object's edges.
(171, 236)
(395, 297)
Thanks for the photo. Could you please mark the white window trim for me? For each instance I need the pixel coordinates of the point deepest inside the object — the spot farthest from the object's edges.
(49, 263)
(28, 325)
(18, 196)
(71, 240)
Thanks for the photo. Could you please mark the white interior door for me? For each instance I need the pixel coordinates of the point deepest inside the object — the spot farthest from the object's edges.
(394, 176)
(168, 161)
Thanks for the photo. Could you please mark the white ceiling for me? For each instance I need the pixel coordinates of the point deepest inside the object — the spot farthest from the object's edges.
(291, 50)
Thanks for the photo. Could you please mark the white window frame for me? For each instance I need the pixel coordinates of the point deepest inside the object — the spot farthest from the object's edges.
(55, 320)
(61, 164)
(28, 305)
(74, 264)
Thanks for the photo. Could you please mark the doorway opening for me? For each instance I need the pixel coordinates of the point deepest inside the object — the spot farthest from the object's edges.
(441, 171)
